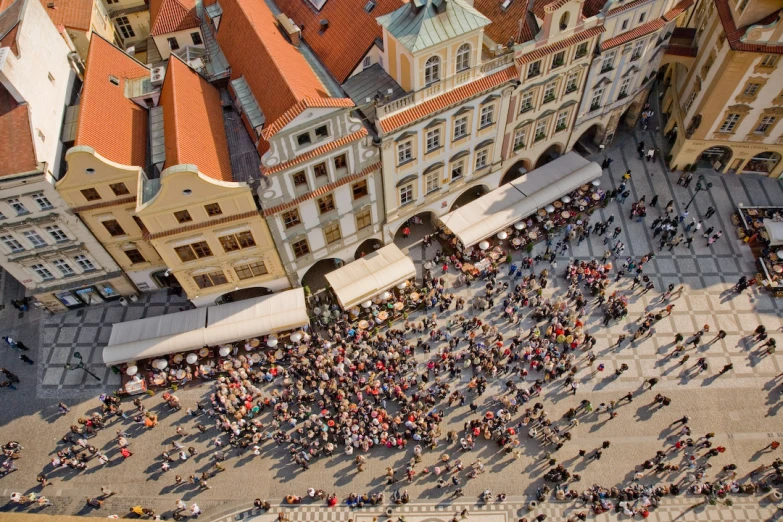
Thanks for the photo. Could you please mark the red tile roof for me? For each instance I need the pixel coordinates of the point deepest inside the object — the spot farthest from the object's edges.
(17, 150)
(203, 224)
(275, 70)
(193, 122)
(170, 16)
(539, 53)
(422, 110)
(677, 10)
(633, 34)
(108, 121)
(507, 24)
(10, 15)
(681, 50)
(734, 35)
(592, 7)
(321, 190)
(73, 14)
(350, 34)
(336, 144)
(624, 7)
(299, 108)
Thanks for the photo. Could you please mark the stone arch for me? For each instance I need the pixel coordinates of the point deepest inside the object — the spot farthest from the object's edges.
(315, 278)
(554, 151)
(711, 155)
(592, 137)
(468, 195)
(368, 246)
(516, 170)
(241, 294)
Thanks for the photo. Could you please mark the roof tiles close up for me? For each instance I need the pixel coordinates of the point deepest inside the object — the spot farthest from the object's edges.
(633, 34)
(507, 24)
(17, 150)
(170, 16)
(73, 14)
(336, 144)
(539, 53)
(300, 107)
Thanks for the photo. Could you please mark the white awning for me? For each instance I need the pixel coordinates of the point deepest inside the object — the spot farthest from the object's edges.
(209, 326)
(774, 231)
(366, 277)
(255, 317)
(514, 201)
(156, 336)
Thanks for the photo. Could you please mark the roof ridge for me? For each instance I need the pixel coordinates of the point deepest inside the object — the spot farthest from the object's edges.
(185, 11)
(174, 112)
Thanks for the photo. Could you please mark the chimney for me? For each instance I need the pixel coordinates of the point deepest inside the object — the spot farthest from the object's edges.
(324, 24)
(289, 28)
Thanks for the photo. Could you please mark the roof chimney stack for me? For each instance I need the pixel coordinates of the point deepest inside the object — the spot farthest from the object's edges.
(289, 28)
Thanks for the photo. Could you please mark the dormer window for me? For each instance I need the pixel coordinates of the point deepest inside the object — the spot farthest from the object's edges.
(463, 57)
(564, 21)
(432, 70)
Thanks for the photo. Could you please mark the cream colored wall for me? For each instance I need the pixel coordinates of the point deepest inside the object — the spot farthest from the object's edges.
(183, 38)
(448, 57)
(233, 198)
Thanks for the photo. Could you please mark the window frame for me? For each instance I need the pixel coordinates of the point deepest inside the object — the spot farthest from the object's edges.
(329, 231)
(118, 188)
(298, 250)
(34, 238)
(730, 123)
(431, 182)
(212, 277)
(432, 70)
(116, 225)
(42, 201)
(295, 220)
(63, 267)
(213, 209)
(94, 195)
(487, 116)
(56, 233)
(40, 267)
(250, 270)
(406, 194)
(463, 57)
(183, 216)
(520, 138)
(404, 147)
(432, 140)
(12, 243)
(481, 159)
(363, 218)
(362, 193)
(131, 257)
(326, 204)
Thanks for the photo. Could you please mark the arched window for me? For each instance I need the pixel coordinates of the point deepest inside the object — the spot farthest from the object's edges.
(463, 57)
(432, 70)
(564, 21)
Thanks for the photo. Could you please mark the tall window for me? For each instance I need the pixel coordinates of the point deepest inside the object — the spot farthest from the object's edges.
(326, 204)
(300, 179)
(432, 70)
(571, 82)
(12, 244)
(340, 163)
(638, 48)
(124, 25)
(608, 61)
(404, 152)
(769, 60)
(558, 59)
(42, 271)
(481, 159)
(581, 49)
(84, 262)
(460, 127)
(119, 189)
(549, 92)
(751, 89)
(541, 130)
(332, 232)
(359, 189)
(691, 99)
(113, 227)
(730, 123)
(463, 57)
(215, 278)
(595, 101)
(193, 251)
(320, 170)
(291, 218)
(42, 201)
(433, 140)
(63, 266)
(56, 233)
(17, 205)
(431, 182)
(301, 248)
(134, 256)
(34, 239)
(457, 170)
(195, 37)
(520, 138)
(624, 87)
(765, 124)
(363, 219)
(562, 121)
(173, 43)
(487, 116)
(406, 194)
(534, 69)
(250, 270)
(527, 101)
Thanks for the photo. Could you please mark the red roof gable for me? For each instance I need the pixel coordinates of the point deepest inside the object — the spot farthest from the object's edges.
(17, 151)
(734, 35)
(559, 46)
(74, 14)
(170, 16)
(507, 24)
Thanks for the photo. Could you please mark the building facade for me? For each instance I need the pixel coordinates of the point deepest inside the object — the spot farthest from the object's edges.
(131, 23)
(80, 19)
(724, 106)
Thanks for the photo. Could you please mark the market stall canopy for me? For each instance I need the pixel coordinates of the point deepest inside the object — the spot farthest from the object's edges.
(254, 317)
(210, 326)
(774, 231)
(364, 278)
(504, 206)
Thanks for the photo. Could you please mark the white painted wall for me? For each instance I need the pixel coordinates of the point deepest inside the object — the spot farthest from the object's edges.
(183, 38)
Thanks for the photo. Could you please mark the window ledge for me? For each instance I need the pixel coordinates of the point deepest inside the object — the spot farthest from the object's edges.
(488, 125)
(432, 151)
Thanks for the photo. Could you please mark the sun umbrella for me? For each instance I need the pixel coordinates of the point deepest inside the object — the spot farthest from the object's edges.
(132, 370)
(484, 245)
(191, 358)
(502, 235)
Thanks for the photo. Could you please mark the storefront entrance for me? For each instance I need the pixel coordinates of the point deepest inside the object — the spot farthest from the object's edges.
(762, 163)
(88, 296)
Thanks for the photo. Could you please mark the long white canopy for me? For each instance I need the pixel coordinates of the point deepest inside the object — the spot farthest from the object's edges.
(366, 277)
(192, 329)
(774, 231)
(514, 201)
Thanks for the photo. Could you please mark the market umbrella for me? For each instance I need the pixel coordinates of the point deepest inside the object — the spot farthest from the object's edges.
(132, 370)
(402, 285)
(502, 235)
(224, 350)
(367, 304)
(596, 182)
(386, 296)
(566, 200)
(549, 208)
(271, 342)
(161, 364)
(520, 225)
(296, 337)
(191, 358)
(484, 245)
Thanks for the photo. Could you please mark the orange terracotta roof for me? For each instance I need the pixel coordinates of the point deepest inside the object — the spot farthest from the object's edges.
(336, 144)
(625, 7)
(203, 224)
(299, 108)
(681, 50)
(73, 14)
(193, 122)
(109, 122)
(422, 110)
(677, 10)
(275, 70)
(633, 34)
(17, 150)
(322, 190)
(734, 35)
(539, 53)
(350, 34)
(507, 24)
(592, 7)
(170, 16)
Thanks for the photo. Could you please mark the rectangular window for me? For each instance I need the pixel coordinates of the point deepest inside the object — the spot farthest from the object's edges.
(56, 233)
(216, 278)
(134, 256)
(572, 82)
(642, 17)
(300, 179)
(549, 92)
(42, 201)
(12, 243)
(246, 239)
(527, 101)
(608, 61)
(320, 170)
(42, 271)
(321, 132)
(404, 152)
(64, 268)
(34, 239)
(562, 121)
(332, 232)
(196, 38)
(250, 270)
(213, 209)
(433, 140)
(119, 189)
(457, 170)
(173, 43)
(460, 127)
(363, 219)
(124, 26)
(303, 139)
(431, 182)
(534, 69)
(192, 251)
(326, 204)
(769, 60)
(729, 123)
(291, 218)
(481, 159)
(595, 101)
(487, 116)
(17, 205)
(625, 25)
(638, 49)
(237, 241)
(183, 216)
(406, 195)
(520, 139)
(340, 163)
(751, 89)
(185, 253)
(229, 243)
(624, 87)
(359, 189)
(541, 130)
(765, 124)
(691, 98)
(84, 262)
(581, 49)
(558, 59)
(301, 248)
(91, 194)
(367, 62)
